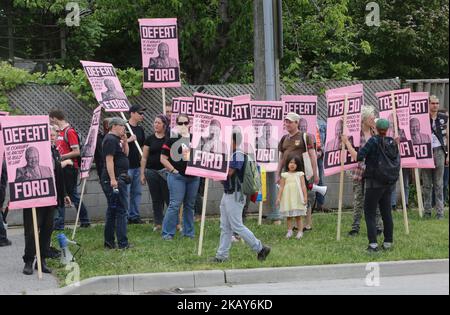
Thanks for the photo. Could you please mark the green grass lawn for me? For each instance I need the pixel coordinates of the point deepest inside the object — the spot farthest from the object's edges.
(429, 239)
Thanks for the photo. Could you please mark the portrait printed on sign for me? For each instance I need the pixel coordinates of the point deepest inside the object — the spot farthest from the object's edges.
(402, 104)
(306, 107)
(268, 123)
(336, 128)
(106, 86)
(160, 57)
(26, 142)
(420, 127)
(211, 141)
(88, 151)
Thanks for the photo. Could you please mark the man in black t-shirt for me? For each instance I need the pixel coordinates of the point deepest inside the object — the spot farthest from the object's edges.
(114, 183)
(135, 188)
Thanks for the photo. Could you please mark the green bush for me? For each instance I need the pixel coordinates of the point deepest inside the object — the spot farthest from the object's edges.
(74, 81)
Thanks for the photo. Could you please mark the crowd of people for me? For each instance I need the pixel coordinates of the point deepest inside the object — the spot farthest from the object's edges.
(124, 172)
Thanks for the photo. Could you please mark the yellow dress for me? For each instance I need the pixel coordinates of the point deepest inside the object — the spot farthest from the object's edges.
(292, 201)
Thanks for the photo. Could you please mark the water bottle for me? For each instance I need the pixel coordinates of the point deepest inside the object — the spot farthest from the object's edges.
(115, 198)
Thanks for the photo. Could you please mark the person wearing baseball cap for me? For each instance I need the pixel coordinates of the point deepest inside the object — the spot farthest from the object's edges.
(382, 159)
(114, 184)
(293, 144)
(135, 140)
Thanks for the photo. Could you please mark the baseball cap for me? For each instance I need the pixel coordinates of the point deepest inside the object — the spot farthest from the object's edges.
(116, 121)
(137, 108)
(382, 124)
(293, 117)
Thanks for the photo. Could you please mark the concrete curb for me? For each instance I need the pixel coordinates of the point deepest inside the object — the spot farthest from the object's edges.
(196, 279)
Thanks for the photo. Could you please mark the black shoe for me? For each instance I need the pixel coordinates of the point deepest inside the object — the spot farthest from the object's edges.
(353, 233)
(53, 253)
(5, 243)
(216, 260)
(28, 269)
(265, 251)
(109, 246)
(307, 229)
(136, 221)
(45, 268)
(85, 225)
(129, 246)
(379, 232)
(372, 250)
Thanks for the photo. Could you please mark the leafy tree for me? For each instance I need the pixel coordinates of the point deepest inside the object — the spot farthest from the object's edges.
(411, 42)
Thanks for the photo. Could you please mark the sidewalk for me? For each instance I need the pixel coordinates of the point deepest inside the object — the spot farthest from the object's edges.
(12, 280)
(195, 281)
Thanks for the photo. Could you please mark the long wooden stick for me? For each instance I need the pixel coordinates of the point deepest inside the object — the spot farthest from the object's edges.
(83, 187)
(202, 225)
(131, 131)
(260, 212)
(163, 91)
(341, 182)
(419, 192)
(36, 242)
(402, 189)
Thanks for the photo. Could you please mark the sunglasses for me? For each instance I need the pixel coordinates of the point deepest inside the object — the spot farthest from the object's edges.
(186, 123)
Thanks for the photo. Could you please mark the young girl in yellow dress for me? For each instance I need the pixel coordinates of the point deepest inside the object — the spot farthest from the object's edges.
(292, 197)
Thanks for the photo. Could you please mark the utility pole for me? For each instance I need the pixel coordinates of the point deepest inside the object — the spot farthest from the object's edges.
(9, 16)
(267, 78)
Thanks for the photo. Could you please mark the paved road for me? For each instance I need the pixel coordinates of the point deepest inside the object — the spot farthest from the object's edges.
(12, 280)
(434, 284)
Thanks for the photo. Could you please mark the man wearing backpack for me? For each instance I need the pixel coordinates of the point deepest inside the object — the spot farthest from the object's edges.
(68, 144)
(382, 159)
(232, 205)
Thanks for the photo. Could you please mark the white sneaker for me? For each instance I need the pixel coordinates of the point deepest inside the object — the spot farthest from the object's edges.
(299, 235)
(289, 234)
(234, 239)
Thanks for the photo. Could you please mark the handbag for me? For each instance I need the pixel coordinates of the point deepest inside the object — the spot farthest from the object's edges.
(307, 161)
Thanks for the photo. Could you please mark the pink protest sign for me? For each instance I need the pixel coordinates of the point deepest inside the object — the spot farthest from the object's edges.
(182, 105)
(211, 141)
(306, 107)
(245, 98)
(242, 124)
(268, 121)
(336, 128)
(106, 86)
(402, 99)
(88, 151)
(26, 141)
(357, 88)
(160, 59)
(420, 128)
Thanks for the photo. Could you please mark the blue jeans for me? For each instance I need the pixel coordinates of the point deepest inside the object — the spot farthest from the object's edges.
(394, 197)
(61, 213)
(182, 190)
(134, 194)
(231, 208)
(320, 198)
(116, 215)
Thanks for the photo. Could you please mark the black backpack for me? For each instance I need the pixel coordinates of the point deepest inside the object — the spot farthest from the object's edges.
(388, 166)
(80, 143)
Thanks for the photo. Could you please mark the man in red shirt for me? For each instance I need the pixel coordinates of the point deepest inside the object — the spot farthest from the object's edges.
(68, 145)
